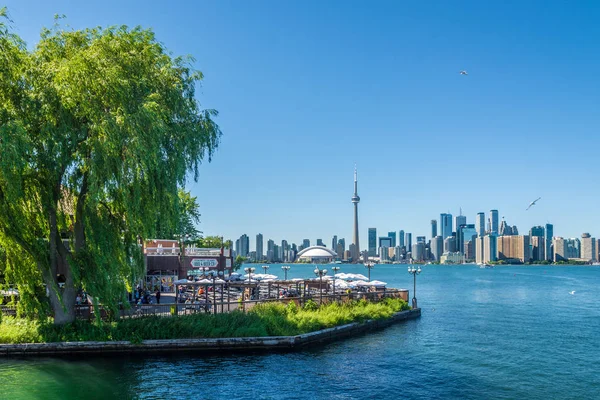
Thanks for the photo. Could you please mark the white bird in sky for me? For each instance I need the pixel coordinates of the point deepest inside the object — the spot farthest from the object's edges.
(463, 73)
(572, 292)
(532, 203)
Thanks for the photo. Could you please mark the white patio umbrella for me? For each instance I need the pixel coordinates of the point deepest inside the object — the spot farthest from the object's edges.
(378, 283)
(205, 281)
(220, 281)
(297, 279)
(362, 283)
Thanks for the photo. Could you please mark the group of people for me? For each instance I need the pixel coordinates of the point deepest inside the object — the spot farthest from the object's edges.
(144, 296)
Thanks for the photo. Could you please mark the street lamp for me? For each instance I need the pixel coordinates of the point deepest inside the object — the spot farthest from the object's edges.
(285, 269)
(265, 268)
(320, 273)
(414, 271)
(249, 271)
(335, 270)
(369, 265)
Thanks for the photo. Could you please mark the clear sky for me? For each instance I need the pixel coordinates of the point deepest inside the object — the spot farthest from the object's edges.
(306, 89)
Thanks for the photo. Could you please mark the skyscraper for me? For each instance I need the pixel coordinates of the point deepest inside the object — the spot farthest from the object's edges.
(392, 235)
(259, 247)
(437, 247)
(549, 234)
(408, 242)
(433, 228)
(401, 239)
(588, 247)
(445, 225)
(244, 245)
(372, 242)
(334, 243)
(494, 222)
(480, 224)
(459, 221)
(355, 201)
(464, 234)
(320, 243)
(305, 243)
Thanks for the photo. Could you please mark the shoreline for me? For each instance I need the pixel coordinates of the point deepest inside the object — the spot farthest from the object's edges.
(236, 344)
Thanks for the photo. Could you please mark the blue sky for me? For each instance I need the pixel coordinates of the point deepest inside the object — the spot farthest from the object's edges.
(306, 89)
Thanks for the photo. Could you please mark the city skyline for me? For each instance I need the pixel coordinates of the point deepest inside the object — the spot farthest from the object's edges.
(322, 77)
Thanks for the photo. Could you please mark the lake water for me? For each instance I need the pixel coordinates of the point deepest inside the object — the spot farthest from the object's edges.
(507, 332)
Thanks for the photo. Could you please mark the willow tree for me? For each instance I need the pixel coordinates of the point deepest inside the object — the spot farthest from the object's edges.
(99, 128)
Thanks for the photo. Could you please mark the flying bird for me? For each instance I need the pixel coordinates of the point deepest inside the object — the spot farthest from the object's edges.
(532, 203)
(572, 292)
(463, 73)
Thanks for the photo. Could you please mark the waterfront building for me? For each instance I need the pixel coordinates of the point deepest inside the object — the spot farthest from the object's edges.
(353, 252)
(306, 243)
(548, 238)
(384, 242)
(270, 246)
(372, 242)
(588, 248)
(384, 253)
(450, 244)
(494, 222)
(355, 201)
(514, 248)
(459, 221)
(538, 248)
(401, 241)
(392, 235)
(422, 239)
(479, 250)
(334, 242)
(408, 242)
(347, 255)
(398, 253)
(276, 253)
(445, 225)
(470, 249)
(259, 247)
(452, 258)
(237, 247)
(490, 248)
(342, 241)
(437, 248)
(418, 251)
(317, 255)
(505, 229)
(480, 224)
(573, 247)
(433, 228)
(320, 243)
(340, 250)
(464, 233)
(244, 245)
(560, 249)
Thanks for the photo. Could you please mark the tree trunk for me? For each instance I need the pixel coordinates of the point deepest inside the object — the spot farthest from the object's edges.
(62, 300)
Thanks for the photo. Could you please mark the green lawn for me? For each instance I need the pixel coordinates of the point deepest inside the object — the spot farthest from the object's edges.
(272, 319)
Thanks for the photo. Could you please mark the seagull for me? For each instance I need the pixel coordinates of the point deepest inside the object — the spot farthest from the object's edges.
(532, 203)
(572, 292)
(463, 73)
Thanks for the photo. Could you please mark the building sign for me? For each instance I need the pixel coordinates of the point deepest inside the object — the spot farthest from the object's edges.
(204, 262)
(195, 272)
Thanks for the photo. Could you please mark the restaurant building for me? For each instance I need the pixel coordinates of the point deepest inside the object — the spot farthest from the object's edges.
(167, 261)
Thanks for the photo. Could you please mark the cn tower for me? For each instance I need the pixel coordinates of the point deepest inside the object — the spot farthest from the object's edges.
(355, 201)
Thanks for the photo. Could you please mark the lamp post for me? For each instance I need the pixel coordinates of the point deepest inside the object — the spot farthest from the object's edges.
(285, 269)
(213, 275)
(369, 265)
(249, 271)
(414, 271)
(335, 270)
(320, 273)
(265, 268)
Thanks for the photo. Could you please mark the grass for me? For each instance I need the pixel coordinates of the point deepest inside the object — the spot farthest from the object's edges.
(272, 319)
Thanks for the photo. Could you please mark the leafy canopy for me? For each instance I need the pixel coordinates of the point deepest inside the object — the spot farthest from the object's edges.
(98, 130)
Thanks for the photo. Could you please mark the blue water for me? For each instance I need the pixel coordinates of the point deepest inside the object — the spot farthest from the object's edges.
(507, 332)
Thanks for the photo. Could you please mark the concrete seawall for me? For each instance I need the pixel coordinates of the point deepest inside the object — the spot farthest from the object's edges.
(270, 343)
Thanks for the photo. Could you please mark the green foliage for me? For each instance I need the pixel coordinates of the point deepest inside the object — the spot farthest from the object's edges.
(99, 129)
(238, 262)
(268, 319)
